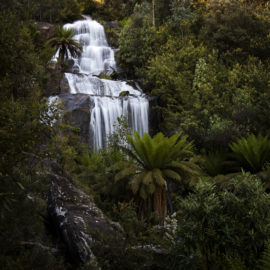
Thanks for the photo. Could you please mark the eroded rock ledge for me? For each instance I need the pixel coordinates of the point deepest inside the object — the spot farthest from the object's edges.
(80, 222)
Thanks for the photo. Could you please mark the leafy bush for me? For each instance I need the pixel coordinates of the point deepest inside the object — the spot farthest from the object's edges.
(237, 29)
(218, 225)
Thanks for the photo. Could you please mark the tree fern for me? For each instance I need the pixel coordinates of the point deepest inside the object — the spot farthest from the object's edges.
(155, 162)
(264, 263)
(64, 42)
(252, 152)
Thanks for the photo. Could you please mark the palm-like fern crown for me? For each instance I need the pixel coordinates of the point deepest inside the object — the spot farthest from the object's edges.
(64, 41)
(154, 161)
(252, 152)
(159, 151)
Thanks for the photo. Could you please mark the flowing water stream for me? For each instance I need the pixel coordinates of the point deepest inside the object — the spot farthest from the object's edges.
(105, 104)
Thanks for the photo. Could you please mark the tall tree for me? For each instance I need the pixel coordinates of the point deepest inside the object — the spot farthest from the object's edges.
(153, 13)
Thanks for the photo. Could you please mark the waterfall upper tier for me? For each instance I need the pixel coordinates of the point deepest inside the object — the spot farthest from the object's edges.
(105, 104)
(96, 55)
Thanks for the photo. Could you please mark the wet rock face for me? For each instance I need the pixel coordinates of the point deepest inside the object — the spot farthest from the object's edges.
(64, 86)
(53, 85)
(46, 29)
(77, 108)
(80, 222)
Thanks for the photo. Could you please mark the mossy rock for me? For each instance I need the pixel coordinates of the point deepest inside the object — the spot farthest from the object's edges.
(124, 94)
(104, 76)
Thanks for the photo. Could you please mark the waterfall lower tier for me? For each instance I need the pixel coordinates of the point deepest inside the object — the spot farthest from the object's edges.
(106, 110)
(105, 100)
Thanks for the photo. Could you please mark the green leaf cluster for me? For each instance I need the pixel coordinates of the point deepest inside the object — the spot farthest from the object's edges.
(221, 224)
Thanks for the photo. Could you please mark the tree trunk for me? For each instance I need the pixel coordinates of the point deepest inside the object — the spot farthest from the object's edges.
(153, 13)
(160, 203)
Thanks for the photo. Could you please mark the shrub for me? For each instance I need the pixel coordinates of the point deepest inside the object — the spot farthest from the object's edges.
(214, 163)
(220, 225)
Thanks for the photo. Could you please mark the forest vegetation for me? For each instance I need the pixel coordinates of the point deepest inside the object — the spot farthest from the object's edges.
(198, 188)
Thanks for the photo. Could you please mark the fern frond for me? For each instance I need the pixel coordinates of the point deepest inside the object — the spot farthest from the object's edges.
(131, 155)
(119, 165)
(138, 147)
(186, 167)
(143, 192)
(159, 179)
(171, 174)
(151, 188)
(136, 182)
(265, 260)
(148, 179)
(125, 173)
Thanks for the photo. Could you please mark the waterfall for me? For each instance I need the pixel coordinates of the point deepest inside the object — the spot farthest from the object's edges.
(105, 103)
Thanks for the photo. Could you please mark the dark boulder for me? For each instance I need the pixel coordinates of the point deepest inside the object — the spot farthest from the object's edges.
(46, 30)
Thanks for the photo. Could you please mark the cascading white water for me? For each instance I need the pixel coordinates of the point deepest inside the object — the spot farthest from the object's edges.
(106, 105)
(96, 56)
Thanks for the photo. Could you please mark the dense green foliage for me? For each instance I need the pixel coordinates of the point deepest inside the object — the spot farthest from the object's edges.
(219, 225)
(26, 126)
(208, 65)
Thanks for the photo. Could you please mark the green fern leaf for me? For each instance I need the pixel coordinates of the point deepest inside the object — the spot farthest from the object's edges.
(171, 174)
(143, 192)
(151, 188)
(125, 173)
(265, 260)
(159, 180)
(136, 182)
(148, 179)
